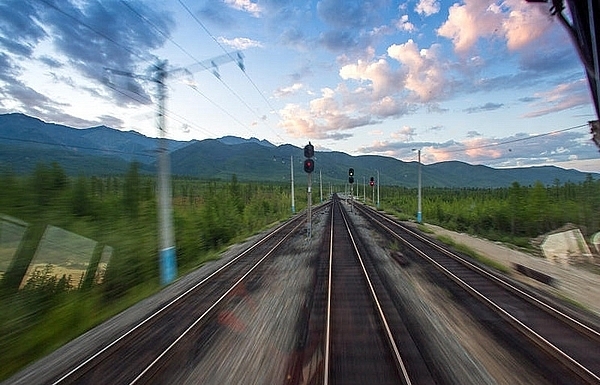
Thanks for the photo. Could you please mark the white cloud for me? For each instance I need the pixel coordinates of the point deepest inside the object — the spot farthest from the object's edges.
(524, 23)
(240, 43)
(288, 91)
(425, 73)
(246, 6)
(379, 74)
(427, 7)
(561, 97)
(469, 21)
(326, 117)
(518, 22)
(404, 25)
(405, 134)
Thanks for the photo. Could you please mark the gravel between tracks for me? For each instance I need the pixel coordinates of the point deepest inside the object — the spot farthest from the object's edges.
(453, 343)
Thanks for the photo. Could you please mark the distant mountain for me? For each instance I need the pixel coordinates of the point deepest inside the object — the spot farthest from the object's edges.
(26, 141)
(233, 140)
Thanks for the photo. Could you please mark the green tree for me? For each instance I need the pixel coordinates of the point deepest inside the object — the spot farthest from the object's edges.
(132, 191)
(80, 199)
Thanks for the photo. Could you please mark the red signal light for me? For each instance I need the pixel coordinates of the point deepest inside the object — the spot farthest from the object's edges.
(309, 165)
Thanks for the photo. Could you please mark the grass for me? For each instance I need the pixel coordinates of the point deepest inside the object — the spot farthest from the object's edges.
(76, 313)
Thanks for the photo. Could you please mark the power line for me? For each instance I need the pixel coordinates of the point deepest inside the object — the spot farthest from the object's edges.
(197, 61)
(169, 113)
(271, 108)
(531, 137)
(144, 98)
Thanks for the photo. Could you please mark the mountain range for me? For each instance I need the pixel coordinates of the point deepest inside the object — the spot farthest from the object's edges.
(26, 141)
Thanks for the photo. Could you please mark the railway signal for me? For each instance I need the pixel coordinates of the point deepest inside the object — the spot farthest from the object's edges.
(372, 182)
(351, 176)
(309, 150)
(309, 165)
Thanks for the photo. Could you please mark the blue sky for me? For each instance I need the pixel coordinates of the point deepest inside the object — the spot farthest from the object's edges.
(486, 82)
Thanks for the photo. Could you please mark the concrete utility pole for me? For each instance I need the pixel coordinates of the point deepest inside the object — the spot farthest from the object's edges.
(167, 255)
(377, 188)
(419, 213)
(321, 185)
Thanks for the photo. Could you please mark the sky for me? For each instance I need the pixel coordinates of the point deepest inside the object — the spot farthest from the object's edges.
(495, 83)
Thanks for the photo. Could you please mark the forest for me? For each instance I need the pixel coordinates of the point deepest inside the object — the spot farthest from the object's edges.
(514, 214)
(120, 211)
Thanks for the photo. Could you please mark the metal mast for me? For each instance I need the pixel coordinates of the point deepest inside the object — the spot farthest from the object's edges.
(167, 256)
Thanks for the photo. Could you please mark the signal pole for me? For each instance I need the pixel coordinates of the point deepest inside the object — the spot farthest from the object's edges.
(419, 212)
(351, 182)
(309, 167)
(292, 173)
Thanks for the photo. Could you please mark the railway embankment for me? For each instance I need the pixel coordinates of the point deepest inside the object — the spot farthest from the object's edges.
(575, 283)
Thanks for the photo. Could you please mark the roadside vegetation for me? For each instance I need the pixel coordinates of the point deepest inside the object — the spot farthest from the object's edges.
(119, 211)
(512, 215)
(47, 310)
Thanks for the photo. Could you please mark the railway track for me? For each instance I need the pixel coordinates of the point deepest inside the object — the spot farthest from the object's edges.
(569, 346)
(350, 330)
(156, 348)
(364, 340)
(359, 345)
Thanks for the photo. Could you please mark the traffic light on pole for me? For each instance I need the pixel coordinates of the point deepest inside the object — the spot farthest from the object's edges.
(372, 182)
(309, 165)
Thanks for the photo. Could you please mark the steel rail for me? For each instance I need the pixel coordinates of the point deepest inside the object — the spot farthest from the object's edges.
(178, 298)
(583, 328)
(329, 288)
(572, 364)
(388, 332)
(208, 311)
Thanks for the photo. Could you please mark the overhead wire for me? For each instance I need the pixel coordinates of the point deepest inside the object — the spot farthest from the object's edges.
(531, 137)
(169, 113)
(271, 108)
(103, 35)
(192, 57)
(172, 115)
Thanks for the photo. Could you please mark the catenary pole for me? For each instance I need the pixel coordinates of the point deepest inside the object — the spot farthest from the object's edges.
(419, 212)
(168, 259)
(377, 188)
